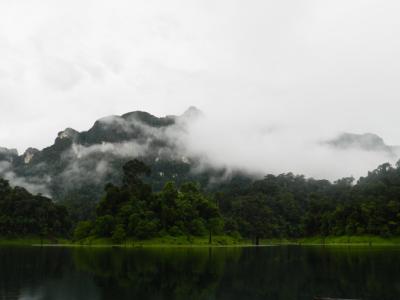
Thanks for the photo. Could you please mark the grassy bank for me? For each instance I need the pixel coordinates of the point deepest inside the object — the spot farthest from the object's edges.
(29, 241)
(167, 241)
(364, 240)
(223, 240)
(217, 241)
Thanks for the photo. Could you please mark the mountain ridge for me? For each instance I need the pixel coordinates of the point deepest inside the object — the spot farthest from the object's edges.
(79, 163)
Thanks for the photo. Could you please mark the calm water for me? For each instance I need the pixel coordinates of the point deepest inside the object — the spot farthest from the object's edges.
(274, 273)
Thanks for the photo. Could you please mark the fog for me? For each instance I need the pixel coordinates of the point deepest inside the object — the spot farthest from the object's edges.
(259, 147)
(274, 79)
(35, 185)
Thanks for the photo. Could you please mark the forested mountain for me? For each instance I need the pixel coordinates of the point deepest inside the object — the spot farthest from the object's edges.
(74, 170)
(76, 167)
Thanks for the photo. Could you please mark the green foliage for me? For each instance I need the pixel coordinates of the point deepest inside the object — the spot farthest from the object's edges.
(104, 226)
(134, 210)
(82, 230)
(283, 206)
(119, 234)
(146, 229)
(22, 214)
(197, 227)
(293, 206)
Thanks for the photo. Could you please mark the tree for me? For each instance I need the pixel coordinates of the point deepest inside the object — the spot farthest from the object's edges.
(83, 230)
(146, 229)
(214, 226)
(119, 234)
(255, 216)
(104, 226)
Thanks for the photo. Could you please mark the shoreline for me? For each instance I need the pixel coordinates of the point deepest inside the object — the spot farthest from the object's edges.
(218, 242)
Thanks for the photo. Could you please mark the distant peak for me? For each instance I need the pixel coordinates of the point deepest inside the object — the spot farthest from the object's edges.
(4, 150)
(148, 119)
(137, 114)
(193, 111)
(191, 114)
(366, 141)
(29, 154)
(8, 154)
(31, 150)
(68, 133)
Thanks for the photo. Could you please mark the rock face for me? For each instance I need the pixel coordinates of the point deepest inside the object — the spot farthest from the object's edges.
(29, 155)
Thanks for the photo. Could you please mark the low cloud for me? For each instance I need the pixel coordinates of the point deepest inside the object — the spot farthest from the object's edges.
(35, 185)
(262, 147)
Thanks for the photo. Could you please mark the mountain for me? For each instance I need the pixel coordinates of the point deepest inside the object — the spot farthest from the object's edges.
(8, 155)
(364, 142)
(78, 165)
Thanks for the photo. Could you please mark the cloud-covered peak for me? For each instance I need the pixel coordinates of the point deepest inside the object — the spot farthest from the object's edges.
(366, 142)
(68, 133)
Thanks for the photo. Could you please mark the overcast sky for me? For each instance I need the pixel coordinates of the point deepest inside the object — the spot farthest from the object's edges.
(316, 66)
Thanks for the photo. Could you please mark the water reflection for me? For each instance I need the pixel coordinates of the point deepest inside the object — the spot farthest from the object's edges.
(157, 273)
(279, 273)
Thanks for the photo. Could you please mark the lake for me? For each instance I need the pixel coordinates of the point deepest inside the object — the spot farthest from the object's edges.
(276, 273)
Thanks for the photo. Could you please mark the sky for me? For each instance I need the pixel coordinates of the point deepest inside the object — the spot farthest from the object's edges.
(309, 69)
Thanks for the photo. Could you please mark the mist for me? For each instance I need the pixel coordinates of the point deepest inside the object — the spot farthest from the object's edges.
(262, 147)
(35, 185)
(274, 80)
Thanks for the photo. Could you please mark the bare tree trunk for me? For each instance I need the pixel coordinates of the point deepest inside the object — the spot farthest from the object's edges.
(209, 238)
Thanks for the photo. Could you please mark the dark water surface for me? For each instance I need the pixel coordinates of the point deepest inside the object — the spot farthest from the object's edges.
(274, 273)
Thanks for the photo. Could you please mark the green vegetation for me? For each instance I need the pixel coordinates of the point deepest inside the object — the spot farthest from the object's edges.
(166, 241)
(364, 240)
(293, 207)
(133, 210)
(275, 210)
(29, 241)
(23, 214)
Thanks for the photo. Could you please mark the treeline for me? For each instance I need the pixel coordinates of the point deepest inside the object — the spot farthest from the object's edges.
(283, 206)
(293, 206)
(24, 214)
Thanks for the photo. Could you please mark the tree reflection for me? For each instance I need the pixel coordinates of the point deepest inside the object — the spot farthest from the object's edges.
(157, 273)
(274, 273)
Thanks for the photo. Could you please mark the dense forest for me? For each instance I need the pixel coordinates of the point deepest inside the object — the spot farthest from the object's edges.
(277, 206)
(283, 206)
(23, 214)
(134, 210)
(293, 206)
